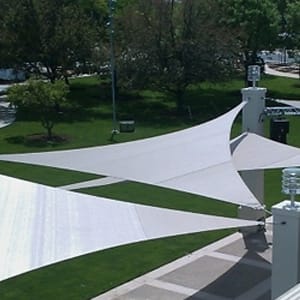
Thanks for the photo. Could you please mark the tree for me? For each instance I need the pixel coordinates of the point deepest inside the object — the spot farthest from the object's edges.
(172, 44)
(293, 22)
(293, 28)
(17, 33)
(43, 98)
(48, 36)
(257, 23)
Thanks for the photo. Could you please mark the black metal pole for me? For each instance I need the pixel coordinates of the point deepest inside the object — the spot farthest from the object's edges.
(112, 67)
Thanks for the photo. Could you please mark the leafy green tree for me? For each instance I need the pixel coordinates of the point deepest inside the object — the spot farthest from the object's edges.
(171, 44)
(293, 28)
(18, 33)
(256, 22)
(282, 9)
(49, 36)
(293, 22)
(289, 24)
(43, 98)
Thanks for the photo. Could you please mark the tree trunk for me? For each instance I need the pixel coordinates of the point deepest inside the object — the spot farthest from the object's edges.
(52, 78)
(67, 80)
(49, 133)
(51, 74)
(48, 125)
(179, 101)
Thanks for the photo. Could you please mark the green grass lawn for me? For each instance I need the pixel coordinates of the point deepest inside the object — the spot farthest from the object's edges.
(89, 123)
(90, 275)
(44, 175)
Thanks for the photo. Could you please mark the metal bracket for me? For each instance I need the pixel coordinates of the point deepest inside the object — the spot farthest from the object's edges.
(281, 111)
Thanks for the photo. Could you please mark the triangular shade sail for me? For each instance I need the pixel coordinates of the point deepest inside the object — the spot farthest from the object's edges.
(293, 103)
(41, 225)
(253, 152)
(195, 160)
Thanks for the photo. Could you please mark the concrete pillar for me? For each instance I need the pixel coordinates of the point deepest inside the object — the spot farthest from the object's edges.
(286, 247)
(253, 111)
(253, 122)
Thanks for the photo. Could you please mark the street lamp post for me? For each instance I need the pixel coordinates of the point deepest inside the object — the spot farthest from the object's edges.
(112, 65)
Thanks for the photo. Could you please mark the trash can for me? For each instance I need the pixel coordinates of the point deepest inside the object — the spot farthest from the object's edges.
(127, 126)
(279, 128)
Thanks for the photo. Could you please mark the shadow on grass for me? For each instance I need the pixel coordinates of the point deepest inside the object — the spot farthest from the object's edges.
(93, 100)
(80, 114)
(297, 85)
(208, 103)
(159, 113)
(39, 140)
(282, 88)
(90, 99)
(284, 95)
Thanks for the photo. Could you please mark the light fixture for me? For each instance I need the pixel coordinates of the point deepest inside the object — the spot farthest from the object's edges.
(291, 183)
(253, 74)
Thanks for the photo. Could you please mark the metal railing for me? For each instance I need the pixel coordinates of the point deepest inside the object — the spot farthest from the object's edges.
(281, 111)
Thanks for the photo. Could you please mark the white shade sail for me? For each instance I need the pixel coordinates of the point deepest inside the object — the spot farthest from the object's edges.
(293, 103)
(41, 225)
(253, 152)
(195, 160)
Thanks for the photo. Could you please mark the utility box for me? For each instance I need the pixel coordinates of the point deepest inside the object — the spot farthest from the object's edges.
(279, 128)
(127, 126)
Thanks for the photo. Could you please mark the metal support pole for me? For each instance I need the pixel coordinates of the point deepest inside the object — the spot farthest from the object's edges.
(112, 66)
(286, 236)
(286, 247)
(253, 113)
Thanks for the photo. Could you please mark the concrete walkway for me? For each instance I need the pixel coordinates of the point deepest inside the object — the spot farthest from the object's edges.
(236, 267)
(274, 72)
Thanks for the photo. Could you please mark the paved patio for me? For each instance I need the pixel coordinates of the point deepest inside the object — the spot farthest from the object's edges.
(236, 267)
